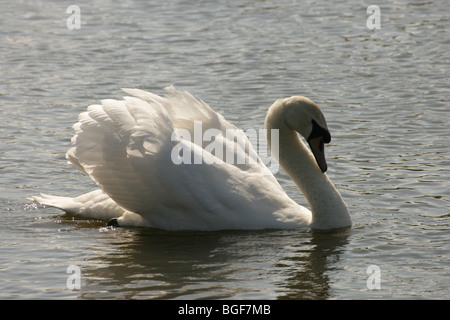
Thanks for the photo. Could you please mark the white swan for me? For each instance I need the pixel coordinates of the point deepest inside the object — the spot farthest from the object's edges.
(127, 147)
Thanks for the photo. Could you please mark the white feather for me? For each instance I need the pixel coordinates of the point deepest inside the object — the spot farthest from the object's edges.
(127, 148)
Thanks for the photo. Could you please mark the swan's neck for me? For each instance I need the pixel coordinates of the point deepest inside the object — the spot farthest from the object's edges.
(327, 207)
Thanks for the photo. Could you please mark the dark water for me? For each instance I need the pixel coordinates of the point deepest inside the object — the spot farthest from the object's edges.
(385, 93)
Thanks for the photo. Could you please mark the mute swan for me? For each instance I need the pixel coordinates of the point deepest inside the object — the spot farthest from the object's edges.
(129, 149)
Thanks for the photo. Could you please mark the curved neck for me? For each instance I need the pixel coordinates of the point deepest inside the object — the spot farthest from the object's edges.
(328, 209)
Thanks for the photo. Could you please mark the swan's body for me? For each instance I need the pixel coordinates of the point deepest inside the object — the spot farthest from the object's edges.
(129, 148)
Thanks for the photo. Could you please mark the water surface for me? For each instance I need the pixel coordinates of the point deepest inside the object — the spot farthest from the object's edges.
(384, 92)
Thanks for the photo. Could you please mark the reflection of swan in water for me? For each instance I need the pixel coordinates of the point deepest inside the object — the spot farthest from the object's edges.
(127, 148)
(148, 263)
(312, 272)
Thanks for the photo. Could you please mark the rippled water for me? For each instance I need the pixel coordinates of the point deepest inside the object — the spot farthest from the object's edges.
(385, 93)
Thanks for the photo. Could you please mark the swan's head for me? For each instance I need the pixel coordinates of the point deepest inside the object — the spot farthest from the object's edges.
(305, 117)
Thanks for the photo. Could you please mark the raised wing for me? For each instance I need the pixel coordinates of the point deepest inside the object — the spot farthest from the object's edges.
(132, 150)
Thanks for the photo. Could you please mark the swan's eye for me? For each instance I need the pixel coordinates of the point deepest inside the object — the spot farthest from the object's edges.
(317, 131)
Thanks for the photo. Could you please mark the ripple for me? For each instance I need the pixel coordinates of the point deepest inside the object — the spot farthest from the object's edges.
(385, 95)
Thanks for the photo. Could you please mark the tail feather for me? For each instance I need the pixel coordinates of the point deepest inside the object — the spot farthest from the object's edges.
(64, 203)
(95, 205)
